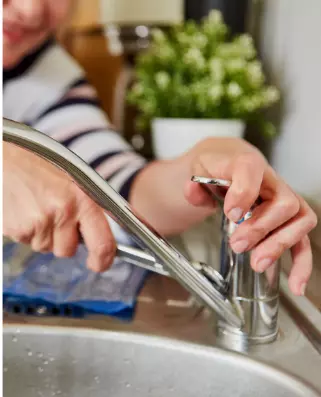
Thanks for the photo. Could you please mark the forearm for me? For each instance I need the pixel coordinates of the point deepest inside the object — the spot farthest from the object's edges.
(158, 196)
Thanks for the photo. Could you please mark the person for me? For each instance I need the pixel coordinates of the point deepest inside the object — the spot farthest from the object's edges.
(45, 88)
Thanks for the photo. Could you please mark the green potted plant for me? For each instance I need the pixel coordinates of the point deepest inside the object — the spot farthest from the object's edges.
(196, 81)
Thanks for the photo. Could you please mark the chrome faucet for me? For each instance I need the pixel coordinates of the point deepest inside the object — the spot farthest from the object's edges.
(245, 302)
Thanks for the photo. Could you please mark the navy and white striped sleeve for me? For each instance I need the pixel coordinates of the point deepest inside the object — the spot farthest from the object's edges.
(77, 121)
(52, 96)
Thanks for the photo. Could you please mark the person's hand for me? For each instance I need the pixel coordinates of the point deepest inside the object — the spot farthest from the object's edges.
(44, 208)
(282, 221)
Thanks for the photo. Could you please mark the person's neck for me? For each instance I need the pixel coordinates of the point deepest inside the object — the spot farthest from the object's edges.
(22, 65)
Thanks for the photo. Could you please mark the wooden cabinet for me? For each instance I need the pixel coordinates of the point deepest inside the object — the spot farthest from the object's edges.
(83, 38)
(102, 69)
(85, 14)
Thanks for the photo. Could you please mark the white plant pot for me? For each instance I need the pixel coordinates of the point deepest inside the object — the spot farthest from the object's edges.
(173, 137)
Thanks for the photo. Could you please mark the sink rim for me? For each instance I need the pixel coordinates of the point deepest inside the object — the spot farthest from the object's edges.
(210, 352)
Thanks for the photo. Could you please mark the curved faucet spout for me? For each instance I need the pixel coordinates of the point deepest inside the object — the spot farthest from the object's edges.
(98, 189)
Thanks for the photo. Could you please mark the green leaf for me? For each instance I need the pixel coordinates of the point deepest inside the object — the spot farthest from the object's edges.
(196, 71)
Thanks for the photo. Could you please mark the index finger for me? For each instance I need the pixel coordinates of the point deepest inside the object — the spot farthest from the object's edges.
(246, 173)
(98, 238)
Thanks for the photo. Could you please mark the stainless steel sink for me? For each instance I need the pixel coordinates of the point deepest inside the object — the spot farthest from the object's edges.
(53, 361)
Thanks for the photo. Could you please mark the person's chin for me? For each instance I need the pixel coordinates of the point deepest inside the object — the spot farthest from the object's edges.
(9, 61)
(13, 54)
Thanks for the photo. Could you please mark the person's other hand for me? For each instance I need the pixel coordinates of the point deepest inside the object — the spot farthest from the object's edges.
(282, 221)
(44, 208)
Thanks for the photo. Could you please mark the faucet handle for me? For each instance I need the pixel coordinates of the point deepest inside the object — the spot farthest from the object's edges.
(140, 258)
(217, 189)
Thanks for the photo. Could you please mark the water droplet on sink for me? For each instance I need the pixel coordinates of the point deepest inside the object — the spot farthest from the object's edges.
(17, 331)
(58, 392)
(51, 359)
(5, 369)
(45, 362)
(40, 355)
(14, 339)
(29, 352)
(128, 385)
(40, 369)
(97, 379)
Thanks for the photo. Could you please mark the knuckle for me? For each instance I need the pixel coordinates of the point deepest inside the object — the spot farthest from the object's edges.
(294, 205)
(252, 194)
(40, 245)
(305, 242)
(248, 158)
(289, 206)
(90, 210)
(258, 231)
(63, 201)
(283, 245)
(245, 194)
(105, 249)
(253, 159)
(79, 195)
(41, 223)
(240, 192)
(88, 207)
(279, 246)
(22, 235)
(55, 204)
(85, 204)
(312, 220)
(64, 212)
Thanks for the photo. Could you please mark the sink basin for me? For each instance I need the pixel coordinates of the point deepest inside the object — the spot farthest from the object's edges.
(52, 361)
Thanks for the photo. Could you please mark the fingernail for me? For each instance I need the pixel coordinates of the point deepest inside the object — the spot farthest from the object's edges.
(302, 289)
(240, 246)
(235, 214)
(264, 264)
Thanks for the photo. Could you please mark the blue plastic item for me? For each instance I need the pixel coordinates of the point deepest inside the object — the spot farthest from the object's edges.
(40, 284)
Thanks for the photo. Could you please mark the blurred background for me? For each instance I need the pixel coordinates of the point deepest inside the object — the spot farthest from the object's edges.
(106, 35)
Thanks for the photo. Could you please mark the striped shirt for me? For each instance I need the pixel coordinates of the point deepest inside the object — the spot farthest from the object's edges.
(48, 91)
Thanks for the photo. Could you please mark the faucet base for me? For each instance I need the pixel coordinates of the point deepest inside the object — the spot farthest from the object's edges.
(231, 338)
